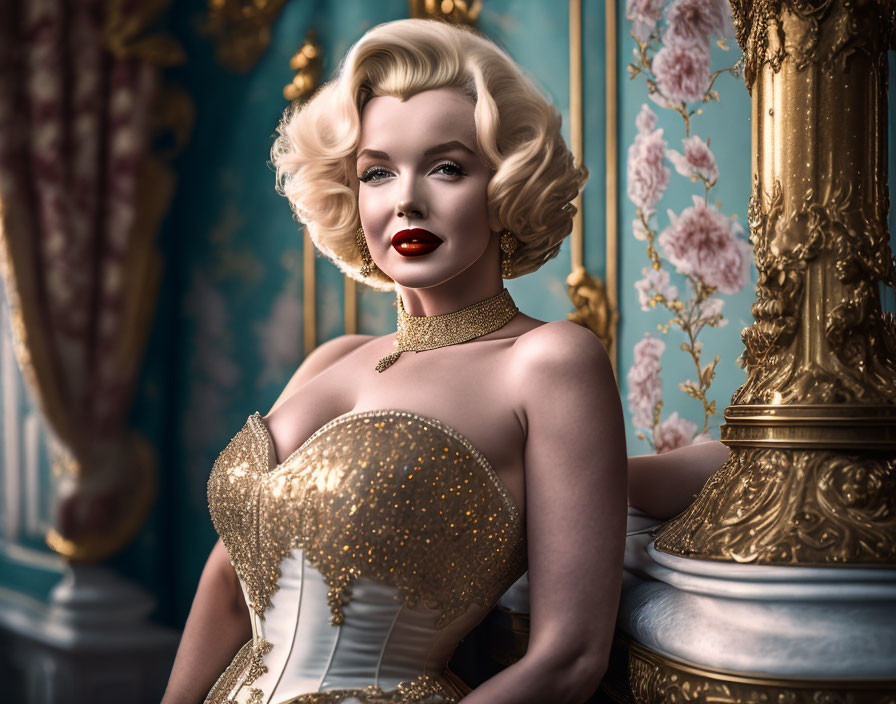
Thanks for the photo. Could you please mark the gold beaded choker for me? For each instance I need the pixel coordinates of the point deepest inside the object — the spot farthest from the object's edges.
(428, 332)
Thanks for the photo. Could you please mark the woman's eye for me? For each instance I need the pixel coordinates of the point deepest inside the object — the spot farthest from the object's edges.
(449, 168)
(374, 173)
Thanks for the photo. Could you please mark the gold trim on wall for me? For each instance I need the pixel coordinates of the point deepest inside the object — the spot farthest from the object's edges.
(241, 30)
(596, 303)
(308, 64)
(459, 11)
(612, 176)
(576, 243)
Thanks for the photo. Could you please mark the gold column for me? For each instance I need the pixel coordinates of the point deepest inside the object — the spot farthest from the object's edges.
(812, 475)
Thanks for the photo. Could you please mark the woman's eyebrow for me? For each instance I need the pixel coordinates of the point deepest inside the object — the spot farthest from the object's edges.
(448, 146)
(373, 154)
(438, 148)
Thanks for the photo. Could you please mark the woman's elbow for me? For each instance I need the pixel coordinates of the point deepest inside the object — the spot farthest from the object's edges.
(575, 675)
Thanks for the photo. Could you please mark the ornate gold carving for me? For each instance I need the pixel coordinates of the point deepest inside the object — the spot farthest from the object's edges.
(790, 506)
(655, 679)
(241, 30)
(308, 63)
(809, 32)
(830, 239)
(593, 310)
(460, 11)
(812, 475)
(125, 33)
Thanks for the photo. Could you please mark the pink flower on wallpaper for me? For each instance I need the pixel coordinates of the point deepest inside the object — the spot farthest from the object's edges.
(693, 22)
(697, 160)
(682, 72)
(644, 14)
(654, 281)
(710, 311)
(645, 389)
(646, 120)
(648, 176)
(675, 432)
(638, 229)
(702, 242)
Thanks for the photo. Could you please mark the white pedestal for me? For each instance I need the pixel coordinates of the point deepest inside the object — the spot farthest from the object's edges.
(91, 644)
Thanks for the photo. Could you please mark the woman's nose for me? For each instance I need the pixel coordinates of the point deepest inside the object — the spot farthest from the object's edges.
(410, 205)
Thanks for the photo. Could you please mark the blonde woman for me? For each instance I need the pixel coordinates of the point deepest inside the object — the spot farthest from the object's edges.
(401, 484)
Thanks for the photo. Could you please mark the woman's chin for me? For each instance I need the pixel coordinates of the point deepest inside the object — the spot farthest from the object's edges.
(421, 274)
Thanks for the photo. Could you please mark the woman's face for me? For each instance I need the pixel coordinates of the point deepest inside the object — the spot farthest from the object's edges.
(422, 187)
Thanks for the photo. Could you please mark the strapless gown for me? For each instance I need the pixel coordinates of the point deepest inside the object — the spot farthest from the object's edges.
(364, 557)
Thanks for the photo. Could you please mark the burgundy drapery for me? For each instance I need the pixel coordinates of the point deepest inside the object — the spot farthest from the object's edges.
(80, 200)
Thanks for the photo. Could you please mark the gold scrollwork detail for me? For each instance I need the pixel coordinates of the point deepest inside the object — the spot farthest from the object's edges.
(593, 308)
(655, 679)
(811, 32)
(127, 33)
(308, 63)
(459, 11)
(241, 30)
(861, 337)
(786, 506)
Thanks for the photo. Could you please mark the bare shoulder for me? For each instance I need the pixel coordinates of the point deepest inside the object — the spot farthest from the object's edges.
(321, 358)
(562, 370)
(560, 346)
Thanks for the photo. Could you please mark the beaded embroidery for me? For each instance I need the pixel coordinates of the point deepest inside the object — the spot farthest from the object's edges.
(229, 678)
(260, 648)
(423, 690)
(389, 495)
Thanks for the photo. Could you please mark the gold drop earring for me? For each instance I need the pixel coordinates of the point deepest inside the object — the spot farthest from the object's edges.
(367, 265)
(509, 243)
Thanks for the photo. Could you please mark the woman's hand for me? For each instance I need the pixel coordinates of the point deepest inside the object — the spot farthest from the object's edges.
(575, 465)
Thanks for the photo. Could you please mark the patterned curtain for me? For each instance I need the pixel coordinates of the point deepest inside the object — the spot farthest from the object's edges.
(81, 198)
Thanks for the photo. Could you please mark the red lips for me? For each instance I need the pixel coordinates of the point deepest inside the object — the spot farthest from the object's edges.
(415, 242)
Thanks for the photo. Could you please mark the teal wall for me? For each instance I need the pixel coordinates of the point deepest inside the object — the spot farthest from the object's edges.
(227, 333)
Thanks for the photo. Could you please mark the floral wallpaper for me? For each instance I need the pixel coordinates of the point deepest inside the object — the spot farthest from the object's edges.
(695, 256)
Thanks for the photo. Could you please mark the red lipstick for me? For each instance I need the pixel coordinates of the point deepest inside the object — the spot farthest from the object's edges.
(415, 242)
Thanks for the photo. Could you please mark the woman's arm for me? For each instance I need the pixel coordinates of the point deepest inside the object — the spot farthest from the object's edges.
(218, 625)
(575, 516)
(664, 485)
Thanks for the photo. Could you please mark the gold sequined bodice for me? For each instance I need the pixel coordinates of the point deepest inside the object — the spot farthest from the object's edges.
(388, 496)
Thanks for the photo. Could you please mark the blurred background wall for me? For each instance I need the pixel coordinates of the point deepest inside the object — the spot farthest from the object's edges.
(228, 327)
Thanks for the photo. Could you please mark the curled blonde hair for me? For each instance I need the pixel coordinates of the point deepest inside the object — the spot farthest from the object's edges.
(517, 130)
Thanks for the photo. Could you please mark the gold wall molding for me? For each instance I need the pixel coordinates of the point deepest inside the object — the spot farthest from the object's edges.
(593, 308)
(308, 64)
(596, 302)
(460, 11)
(655, 679)
(241, 30)
(128, 33)
(811, 479)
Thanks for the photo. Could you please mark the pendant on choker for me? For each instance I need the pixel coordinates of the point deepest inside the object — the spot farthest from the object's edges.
(417, 333)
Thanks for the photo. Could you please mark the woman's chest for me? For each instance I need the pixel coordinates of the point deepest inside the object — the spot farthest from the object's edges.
(468, 390)
(399, 498)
